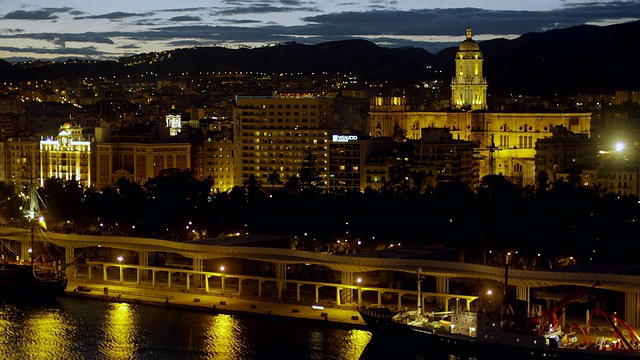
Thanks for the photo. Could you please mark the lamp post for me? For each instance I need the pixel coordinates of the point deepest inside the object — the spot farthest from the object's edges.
(359, 281)
(120, 258)
(222, 280)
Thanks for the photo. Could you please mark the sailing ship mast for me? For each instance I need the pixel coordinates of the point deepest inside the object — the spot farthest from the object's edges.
(33, 216)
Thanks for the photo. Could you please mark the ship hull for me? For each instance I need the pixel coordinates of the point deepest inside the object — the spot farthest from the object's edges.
(18, 283)
(499, 345)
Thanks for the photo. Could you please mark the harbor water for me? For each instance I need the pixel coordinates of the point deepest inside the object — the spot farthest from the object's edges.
(74, 328)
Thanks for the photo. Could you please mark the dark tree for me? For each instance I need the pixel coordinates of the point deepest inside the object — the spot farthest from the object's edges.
(310, 178)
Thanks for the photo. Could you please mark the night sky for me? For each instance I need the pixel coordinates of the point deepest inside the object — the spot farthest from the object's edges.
(58, 29)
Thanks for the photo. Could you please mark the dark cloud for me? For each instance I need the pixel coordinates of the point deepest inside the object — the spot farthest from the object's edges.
(30, 15)
(185, 18)
(238, 22)
(57, 10)
(12, 31)
(185, 43)
(86, 51)
(182, 10)
(129, 47)
(42, 14)
(62, 39)
(283, 2)
(450, 21)
(260, 9)
(114, 16)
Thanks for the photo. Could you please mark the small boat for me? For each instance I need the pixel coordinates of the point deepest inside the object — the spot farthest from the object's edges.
(31, 281)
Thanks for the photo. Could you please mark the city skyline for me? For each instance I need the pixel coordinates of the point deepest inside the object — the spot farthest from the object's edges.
(33, 29)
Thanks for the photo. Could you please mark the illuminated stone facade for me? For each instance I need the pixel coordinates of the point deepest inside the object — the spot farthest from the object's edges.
(468, 86)
(513, 133)
(138, 162)
(271, 134)
(66, 157)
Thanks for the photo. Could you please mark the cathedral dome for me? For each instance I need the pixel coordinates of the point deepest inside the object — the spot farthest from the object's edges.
(469, 45)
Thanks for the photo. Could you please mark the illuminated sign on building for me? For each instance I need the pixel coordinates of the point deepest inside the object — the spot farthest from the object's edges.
(344, 138)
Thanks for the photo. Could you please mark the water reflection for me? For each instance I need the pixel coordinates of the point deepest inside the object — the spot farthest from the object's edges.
(120, 335)
(36, 332)
(89, 329)
(344, 344)
(354, 343)
(223, 337)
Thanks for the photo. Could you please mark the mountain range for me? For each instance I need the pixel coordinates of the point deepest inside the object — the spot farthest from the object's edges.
(579, 60)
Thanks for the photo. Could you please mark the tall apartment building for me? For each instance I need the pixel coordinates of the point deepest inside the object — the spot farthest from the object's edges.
(20, 160)
(348, 157)
(441, 158)
(562, 150)
(67, 156)
(218, 161)
(271, 134)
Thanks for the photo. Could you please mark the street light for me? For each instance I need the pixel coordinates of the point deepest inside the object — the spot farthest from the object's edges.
(120, 258)
(222, 280)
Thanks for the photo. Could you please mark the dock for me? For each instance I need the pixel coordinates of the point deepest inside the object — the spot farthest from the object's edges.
(344, 317)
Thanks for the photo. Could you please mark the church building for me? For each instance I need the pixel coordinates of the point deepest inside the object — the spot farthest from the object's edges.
(504, 141)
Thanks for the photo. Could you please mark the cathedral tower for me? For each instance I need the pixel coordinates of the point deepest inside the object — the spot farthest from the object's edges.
(469, 87)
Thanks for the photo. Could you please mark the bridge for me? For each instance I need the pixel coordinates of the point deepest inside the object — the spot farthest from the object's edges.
(443, 271)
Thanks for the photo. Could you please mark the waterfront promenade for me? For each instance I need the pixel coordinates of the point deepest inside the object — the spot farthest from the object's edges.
(346, 316)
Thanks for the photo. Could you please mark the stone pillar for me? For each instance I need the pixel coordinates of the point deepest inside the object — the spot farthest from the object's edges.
(442, 287)
(198, 265)
(442, 284)
(346, 278)
(523, 293)
(69, 257)
(281, 278)
(632, 309)
(143, 260)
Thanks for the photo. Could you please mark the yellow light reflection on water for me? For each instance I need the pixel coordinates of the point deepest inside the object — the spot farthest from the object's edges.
(48, 335)
(354, 343)
(224, 340)
(119, 340)
(350, 346)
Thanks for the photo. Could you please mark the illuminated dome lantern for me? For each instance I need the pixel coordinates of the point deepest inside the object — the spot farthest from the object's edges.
(468, 86)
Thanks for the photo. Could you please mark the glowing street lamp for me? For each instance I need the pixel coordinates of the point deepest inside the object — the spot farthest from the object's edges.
(222, 279)
(120, 258)
(619, 146)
